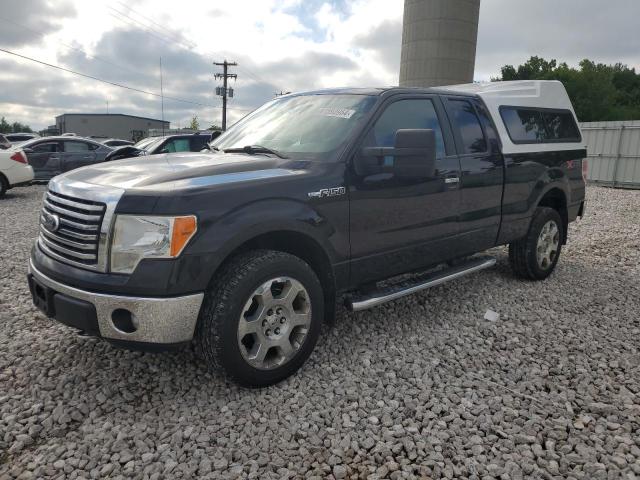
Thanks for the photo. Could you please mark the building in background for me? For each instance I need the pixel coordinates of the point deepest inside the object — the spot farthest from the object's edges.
(439, 42)
(108, 125)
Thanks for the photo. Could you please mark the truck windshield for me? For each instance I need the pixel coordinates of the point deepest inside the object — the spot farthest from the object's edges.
(309, 126)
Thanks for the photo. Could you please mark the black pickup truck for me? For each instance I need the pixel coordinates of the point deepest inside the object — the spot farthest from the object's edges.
(312, 198)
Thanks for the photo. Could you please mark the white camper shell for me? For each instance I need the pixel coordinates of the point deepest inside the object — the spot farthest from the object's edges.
(530, 115)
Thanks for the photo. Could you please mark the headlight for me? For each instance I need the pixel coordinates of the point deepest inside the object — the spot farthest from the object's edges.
(136, 237)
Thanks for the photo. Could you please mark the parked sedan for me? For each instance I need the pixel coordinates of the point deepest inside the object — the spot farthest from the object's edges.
(18, 138)
(115, 142)
(4, 143)
(51, 156)
(192, 142)
(15, 171)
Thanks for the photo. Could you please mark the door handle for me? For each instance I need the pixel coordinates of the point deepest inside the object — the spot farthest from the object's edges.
(451, 180)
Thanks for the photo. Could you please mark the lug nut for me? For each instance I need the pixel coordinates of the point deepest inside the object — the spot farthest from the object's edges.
(277, 330)
(264, 323)
(282, 320)
(268, 332)
(269, 312)
(279, 311)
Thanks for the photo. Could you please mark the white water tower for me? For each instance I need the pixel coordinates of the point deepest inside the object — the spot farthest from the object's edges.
(439, 42)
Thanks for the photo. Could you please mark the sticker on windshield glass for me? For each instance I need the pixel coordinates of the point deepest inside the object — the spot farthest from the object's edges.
(337, 112)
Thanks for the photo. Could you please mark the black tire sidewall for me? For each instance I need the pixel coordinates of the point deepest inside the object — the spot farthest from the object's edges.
(4, 185)
(543, 216)
(229, 354)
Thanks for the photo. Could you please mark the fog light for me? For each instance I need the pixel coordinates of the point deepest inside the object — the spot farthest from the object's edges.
(123, 320)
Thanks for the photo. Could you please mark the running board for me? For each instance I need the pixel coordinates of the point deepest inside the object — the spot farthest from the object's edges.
(356, 304)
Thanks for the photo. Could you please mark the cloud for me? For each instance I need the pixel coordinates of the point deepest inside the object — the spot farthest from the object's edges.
(26, 22)
(385, 41)
(568, 30)
(290, 45)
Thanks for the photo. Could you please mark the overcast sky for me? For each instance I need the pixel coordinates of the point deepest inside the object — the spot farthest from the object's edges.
(287, 45)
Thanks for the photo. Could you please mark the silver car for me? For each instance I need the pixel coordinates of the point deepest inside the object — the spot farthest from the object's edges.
(51, 156)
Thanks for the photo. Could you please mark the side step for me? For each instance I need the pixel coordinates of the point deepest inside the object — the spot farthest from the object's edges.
(356, 304)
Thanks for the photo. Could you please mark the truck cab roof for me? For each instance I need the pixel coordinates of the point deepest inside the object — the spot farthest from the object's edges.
(520, 101)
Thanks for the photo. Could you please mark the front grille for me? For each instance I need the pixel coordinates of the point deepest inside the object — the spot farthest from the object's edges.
(75, 237)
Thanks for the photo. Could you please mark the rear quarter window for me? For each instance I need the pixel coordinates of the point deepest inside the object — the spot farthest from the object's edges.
(468, 123)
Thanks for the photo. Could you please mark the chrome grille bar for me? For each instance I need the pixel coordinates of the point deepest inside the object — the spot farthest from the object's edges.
(71, 213)
(70, 229)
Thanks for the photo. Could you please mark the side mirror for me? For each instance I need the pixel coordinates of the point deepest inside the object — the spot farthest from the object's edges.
(415, 153)
(27, 150)
(412, 156)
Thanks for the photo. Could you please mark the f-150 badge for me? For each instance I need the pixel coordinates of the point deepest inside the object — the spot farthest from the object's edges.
(328, 192)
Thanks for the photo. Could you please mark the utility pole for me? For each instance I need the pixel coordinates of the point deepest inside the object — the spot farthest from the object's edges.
(161, 98)
(224, 91)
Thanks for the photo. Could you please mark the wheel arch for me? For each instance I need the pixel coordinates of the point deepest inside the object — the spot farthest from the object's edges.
(556, 198)
(300, 245)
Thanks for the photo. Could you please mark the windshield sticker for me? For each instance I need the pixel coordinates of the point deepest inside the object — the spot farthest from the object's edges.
(337, 112)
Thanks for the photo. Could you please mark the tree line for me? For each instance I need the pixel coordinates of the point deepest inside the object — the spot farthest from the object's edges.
(598, 92)
(15, 127)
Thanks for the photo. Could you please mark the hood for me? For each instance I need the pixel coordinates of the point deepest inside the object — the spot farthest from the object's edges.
(180, 170)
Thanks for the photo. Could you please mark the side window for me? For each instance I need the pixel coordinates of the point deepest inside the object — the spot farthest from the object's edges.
(76, 147)
(406, 114)
(561, 126)
(523, 125)
(178, 145)
(198, 142)
(46, 147)
(467, 122)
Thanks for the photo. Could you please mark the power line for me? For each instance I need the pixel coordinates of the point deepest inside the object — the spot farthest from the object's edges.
(148, 30)
(115, 84)
(177, 36)
(92, 57)
(167, 40)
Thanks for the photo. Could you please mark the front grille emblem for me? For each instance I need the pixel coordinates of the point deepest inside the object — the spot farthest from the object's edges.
(50, 221)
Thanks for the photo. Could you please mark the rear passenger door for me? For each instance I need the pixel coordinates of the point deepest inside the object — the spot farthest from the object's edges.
(77, 154)
(44, 158)
(482, 173)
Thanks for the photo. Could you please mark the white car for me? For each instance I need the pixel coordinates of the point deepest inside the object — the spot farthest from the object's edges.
(15, 170)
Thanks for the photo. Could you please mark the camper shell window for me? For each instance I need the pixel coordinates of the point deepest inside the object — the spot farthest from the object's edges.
(540, 125)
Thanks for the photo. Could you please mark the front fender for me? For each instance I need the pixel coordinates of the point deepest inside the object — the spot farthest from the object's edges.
(325, 223)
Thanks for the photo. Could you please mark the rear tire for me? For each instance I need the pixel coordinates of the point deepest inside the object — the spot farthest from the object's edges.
(4, 185)
(535, 256)
(261, 318)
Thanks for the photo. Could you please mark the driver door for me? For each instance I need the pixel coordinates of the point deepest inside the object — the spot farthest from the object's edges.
(402, 224)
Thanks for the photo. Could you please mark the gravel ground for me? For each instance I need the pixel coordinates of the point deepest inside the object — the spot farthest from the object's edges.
(424, 387)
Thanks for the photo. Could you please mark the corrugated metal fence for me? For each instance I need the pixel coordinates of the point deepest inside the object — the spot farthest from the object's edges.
(614, 152)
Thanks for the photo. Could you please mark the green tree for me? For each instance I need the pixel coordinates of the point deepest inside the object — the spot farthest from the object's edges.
(598, 92)
(195, 124)
(215, 127)
(15, 127)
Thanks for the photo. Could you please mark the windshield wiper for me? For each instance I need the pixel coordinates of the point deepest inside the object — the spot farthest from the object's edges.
(253, 149)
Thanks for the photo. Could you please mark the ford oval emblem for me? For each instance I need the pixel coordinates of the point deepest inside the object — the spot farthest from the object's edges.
(50, 221)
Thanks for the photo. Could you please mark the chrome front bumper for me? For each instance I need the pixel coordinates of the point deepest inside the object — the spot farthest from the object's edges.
(157, 320)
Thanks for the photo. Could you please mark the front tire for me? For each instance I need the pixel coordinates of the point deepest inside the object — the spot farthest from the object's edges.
(535, 256)
(261, 318)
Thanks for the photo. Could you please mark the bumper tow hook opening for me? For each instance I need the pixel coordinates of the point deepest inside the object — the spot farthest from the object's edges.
(123, 320)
